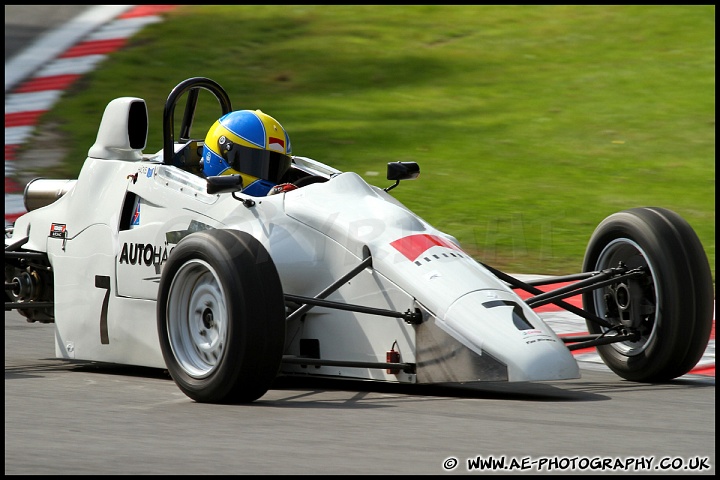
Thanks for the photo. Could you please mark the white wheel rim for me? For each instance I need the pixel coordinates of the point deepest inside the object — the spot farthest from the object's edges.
(197, 320)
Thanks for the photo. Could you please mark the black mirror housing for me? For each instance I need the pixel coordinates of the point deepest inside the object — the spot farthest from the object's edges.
(402, 171)
(224, 184)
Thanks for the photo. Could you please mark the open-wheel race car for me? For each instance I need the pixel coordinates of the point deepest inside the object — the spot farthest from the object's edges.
(148, 260)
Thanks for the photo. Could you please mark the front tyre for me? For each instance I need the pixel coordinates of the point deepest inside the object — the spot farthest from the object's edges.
(221, 317)
(671, 306)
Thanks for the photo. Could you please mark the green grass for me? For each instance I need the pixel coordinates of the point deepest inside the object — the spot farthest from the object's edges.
(530, 123)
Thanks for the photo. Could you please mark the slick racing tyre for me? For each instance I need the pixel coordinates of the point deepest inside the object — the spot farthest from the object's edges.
(671, 305)
(221, 317)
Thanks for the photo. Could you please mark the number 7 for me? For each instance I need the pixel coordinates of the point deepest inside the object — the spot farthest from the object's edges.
(104, 282)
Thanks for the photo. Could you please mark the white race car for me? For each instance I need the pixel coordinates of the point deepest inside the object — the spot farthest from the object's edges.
(142, 261)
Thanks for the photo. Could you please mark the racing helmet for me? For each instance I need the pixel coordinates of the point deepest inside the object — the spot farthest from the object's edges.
(250, 143)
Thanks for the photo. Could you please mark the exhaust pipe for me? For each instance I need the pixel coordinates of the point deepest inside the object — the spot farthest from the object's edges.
(41, 192)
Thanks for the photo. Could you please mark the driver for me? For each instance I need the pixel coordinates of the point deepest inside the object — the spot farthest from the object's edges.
(252, 144)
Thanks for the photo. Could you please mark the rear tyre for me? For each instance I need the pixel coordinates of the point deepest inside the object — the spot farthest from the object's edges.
(671, 306)
(221, 317)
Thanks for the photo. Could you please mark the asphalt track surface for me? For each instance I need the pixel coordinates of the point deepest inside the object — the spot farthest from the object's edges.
(74, 418)
(83, 418)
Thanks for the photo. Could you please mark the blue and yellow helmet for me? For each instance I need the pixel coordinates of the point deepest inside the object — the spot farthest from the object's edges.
(249, 143)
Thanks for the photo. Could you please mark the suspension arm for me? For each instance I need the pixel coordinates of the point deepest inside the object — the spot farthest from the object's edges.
(405, 367)
(606, 277)
(331, 288)
(598, 340)
(409, 317)
(529, 288)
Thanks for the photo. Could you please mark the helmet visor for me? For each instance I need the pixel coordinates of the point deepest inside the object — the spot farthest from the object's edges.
(256, 162)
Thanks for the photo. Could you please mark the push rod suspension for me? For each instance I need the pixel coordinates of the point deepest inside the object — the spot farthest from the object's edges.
(331, 288)
(529, 288)
(606, 277)
(410, 317)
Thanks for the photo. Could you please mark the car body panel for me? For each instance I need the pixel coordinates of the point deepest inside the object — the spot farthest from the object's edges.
(108, 236)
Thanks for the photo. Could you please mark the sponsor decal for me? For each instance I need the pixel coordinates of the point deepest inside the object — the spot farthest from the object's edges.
(58, 230)
(146, 171)
(144, 254)
(147, 254)
(532, 332)
(136, 214)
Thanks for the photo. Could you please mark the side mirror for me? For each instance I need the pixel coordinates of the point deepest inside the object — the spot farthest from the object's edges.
(224, 184)
(401, 171)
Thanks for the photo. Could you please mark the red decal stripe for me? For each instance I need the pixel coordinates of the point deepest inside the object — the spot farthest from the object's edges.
(413, 246)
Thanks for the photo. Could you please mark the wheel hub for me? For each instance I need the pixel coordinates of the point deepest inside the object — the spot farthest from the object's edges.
(207, 318)
(621, 297)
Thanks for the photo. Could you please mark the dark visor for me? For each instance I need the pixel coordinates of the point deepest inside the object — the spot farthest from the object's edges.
(264, 164)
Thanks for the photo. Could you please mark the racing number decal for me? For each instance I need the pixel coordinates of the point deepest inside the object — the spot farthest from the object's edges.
(104, 282)
(518, 315)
